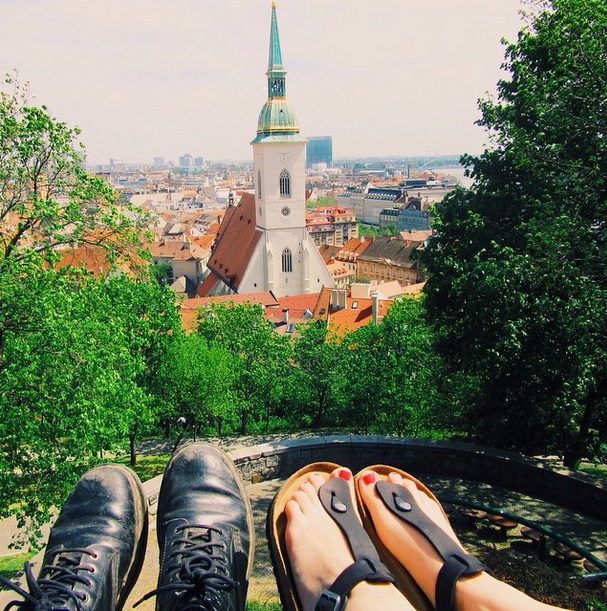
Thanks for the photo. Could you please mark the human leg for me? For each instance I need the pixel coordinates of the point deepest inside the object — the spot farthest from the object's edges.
(415, 552)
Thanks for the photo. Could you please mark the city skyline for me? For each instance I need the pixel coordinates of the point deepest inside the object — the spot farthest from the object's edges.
(144, 79)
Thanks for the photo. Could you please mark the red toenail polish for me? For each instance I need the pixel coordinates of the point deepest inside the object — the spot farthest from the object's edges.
(345, 474)
(370, 478)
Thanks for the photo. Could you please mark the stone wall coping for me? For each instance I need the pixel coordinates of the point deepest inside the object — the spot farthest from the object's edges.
(455, 459)
(409, 443)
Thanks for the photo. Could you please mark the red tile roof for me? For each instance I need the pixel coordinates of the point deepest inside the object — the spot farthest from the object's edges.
(95, 260)
(189, 307)
(296, 304)
(343, 320)
(356, 246)
(236, 241)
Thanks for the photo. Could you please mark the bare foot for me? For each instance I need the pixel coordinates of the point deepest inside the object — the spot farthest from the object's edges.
(318, 551)
(418, 556)
(400, 538)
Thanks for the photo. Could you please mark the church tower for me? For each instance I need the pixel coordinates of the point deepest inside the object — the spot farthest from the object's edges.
(263, 243)
(293, 264)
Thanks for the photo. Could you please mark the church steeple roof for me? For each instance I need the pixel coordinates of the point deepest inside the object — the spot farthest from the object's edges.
(275, 56)
(277, 120)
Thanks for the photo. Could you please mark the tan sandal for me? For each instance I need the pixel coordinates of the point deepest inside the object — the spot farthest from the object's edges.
(401, 503)
(336, 499)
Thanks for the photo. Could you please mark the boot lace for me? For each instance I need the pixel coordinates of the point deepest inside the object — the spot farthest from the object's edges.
(197, 568)
(55, 591)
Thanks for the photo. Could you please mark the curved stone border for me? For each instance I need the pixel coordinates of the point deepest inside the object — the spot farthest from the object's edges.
(451, 459)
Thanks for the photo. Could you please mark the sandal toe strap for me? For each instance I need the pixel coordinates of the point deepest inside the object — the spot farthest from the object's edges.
(457, 563)
(336, 499)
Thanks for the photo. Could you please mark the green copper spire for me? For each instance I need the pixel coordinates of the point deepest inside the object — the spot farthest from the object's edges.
(277, 120)
(275, 57)
(276, 72)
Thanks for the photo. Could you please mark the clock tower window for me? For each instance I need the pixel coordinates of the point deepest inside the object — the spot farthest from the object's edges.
(285, 184)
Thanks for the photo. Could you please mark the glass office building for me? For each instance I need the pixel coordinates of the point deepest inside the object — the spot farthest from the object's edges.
(319, 150)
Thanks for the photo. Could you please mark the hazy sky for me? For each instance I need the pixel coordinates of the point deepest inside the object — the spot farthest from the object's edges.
(151, 78)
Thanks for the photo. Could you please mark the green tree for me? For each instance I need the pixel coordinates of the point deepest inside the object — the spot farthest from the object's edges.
(369, 376)
(517, 266)
(391, 370)
(194, 385)
(147, 315)
(47, 198)
(391, 229)
(326, 201)
(70, 389)
(317, 378)
(261, 356)
(368, 230)
(406, 340)
(75, 350)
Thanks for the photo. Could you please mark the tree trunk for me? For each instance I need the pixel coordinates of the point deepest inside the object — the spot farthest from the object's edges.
(132, 449)
(177, 442)
(244, 418)
(574, 452)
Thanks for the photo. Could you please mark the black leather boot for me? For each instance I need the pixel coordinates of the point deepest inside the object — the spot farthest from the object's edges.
(205, 533)
(95, 548)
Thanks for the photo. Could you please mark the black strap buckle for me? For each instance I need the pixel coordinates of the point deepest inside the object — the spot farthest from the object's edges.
(329, 601)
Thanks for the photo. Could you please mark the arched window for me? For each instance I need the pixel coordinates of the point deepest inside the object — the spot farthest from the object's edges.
(287, 260)
(285, 184)
(259, 184)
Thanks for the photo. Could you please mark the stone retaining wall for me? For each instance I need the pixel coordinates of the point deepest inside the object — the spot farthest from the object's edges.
(419, 457)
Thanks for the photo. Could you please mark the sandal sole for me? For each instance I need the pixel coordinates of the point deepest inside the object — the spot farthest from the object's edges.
(275, 531)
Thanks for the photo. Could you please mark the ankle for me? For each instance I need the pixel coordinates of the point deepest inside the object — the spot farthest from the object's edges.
(482, 591)
(384, 596)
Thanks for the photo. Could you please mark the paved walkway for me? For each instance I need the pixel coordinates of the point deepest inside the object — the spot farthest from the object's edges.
(587, 532)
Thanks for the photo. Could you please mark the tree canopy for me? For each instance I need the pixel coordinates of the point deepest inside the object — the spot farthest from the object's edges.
(75, 350)
(517, 281)
(47, 198)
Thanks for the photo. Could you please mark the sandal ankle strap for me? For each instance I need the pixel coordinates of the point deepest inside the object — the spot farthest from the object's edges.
(456, 566)
(334, 598)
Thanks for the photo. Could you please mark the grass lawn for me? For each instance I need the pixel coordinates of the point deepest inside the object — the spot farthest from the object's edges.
(11, 566)
(596, 470)
(148, 466)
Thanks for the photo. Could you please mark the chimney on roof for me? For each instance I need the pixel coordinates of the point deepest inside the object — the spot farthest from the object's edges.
(285, 316)
(375, 307)
(333, 299)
